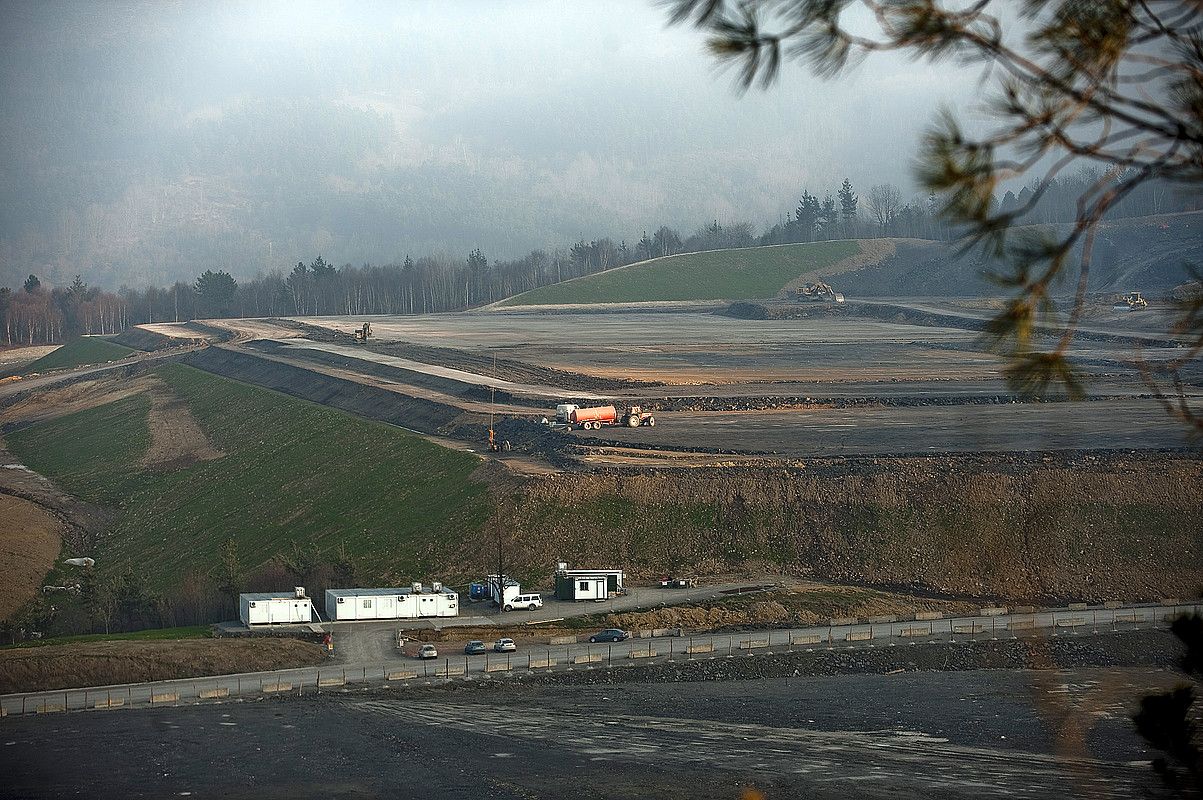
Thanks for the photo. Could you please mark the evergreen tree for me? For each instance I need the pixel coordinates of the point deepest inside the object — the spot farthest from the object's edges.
(848, 200)
(644, 249)
(215, 291)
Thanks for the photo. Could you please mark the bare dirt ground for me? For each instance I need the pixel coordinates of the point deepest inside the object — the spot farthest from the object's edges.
(81, 522)
(12, 357)
(839, 384)
(58, 666)
(30, 539)
(176, 439)
(80, 396)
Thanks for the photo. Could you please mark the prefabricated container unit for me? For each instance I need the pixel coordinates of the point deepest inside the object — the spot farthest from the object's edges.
(274, 608)
(613, 576)
(581, 587)
(393, 603)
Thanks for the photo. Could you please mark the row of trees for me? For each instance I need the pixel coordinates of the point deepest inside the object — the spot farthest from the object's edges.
(429, 284)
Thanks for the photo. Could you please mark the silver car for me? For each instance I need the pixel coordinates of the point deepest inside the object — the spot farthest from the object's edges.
(505, 646)
(428, 651)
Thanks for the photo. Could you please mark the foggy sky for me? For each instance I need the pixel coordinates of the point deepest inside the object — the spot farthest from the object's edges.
(504, 126)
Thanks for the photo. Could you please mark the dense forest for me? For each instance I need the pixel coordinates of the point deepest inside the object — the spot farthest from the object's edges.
(33, 313)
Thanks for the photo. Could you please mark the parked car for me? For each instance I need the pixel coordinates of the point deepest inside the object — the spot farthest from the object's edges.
(610, 635)
(428, 651)
(505, 646)
(474, 647)
(528, 601)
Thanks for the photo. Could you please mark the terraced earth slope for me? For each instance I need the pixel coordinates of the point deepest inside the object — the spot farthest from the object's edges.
(751, 272)
(1149, 254)
(84, 350)
(279, 475)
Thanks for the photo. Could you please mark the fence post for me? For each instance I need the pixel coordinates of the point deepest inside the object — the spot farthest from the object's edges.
(609, 654)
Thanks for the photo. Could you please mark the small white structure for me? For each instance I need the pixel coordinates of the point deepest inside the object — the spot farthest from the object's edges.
(275, 608)
(587, 584)
(414, 602)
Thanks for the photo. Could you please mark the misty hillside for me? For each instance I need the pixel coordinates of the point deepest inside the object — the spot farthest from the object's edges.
(1149, 254)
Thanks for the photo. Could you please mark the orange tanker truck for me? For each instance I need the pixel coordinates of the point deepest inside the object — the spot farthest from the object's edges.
(594, 418)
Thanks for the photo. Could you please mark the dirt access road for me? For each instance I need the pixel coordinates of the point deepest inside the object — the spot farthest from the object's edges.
(1126, 425)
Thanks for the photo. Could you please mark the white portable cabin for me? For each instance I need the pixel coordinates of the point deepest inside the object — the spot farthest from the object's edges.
(275, 608)
(588, 587)
(586, 584)
(414, 602)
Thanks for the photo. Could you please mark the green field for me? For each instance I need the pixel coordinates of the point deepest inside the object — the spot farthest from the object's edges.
(294, 474)
(750, 273)
(84, 350)
(148, 635)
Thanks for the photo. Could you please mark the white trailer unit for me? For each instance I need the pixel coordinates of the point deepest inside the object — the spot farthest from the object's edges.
(589, 587)
(396, 603)
(274, 608)
(587, 584)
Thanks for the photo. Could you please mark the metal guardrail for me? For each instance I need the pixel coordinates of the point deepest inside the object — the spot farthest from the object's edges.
(634, 652)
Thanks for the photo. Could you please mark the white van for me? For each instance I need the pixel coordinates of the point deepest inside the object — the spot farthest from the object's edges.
(528, 601)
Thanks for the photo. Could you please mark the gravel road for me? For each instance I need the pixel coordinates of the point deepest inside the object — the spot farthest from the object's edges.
(980, 733)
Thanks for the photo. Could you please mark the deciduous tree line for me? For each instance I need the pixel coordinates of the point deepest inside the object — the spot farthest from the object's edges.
(33, 314)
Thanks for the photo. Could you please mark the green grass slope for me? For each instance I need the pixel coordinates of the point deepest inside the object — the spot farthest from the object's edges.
(754, 272)
(294, 474)
(85, 350)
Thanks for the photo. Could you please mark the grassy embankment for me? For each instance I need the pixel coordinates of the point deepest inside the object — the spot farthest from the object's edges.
(754, 272)
(294, 474)
(148, 635)
(76, 353)
(103, 663)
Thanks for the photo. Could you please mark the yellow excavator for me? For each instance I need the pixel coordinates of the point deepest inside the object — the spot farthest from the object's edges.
(1132, 301)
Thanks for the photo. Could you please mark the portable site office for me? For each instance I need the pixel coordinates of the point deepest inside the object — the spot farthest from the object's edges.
(275, 608)
(404, 603)
(587, 584)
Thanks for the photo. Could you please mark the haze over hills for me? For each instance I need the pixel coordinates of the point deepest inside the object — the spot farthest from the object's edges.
(140, 147)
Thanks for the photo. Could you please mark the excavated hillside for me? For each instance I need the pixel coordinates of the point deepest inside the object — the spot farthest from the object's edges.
(1074, 527)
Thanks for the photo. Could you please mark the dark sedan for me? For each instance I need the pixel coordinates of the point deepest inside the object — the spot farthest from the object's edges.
(474, 648)
(610, 635)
